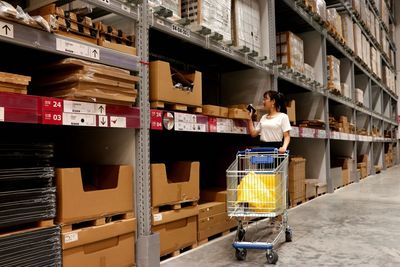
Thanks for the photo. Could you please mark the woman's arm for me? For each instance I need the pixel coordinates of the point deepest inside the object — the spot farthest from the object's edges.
(286, 141)
(252, 130)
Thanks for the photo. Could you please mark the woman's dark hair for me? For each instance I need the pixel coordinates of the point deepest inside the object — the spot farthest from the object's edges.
(280, 101)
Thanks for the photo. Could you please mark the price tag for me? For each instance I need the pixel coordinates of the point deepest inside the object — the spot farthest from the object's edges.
(180, 30)
(321, 134)
(307, 132)
(227, 50)
(78, 49)
(295, 131)
(156, 120)
(52, 118)
(76, 119)
(157, 217)
(85, 108)
(70, 237)
(6, 29)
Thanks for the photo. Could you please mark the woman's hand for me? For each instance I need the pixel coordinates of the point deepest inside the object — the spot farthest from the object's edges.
(282, 150)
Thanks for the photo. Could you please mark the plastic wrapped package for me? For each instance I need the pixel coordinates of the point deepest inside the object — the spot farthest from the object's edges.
(318, 6)
(363, 10)
(173, 5)
(7, 10)
(357, 40)
(374, 61)
(348, 34)
(378, 31)
(290, 51)
(246, 26)
(368, 53)
(345, 90)
(359, 96)
(379, 64)
(309, 72)
(356, 5)
(384, 12)
(335, 20)
(44, 24)
(214, 15)
(333, 73)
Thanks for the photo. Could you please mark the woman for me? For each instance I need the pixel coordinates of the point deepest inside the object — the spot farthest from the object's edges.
(274, 126)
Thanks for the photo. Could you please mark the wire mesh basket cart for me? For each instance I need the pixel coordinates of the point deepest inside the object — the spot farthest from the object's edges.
(257, 188)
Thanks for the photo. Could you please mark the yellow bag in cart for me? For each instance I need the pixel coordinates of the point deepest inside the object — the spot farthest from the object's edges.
(262, 192)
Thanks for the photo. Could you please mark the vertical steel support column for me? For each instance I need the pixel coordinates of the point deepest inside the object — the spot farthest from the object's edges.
(148, 245)
(355, 177)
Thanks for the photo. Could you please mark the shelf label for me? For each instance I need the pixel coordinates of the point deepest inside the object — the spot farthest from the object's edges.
(126, 8)
(103, 121)
(52, 118)
(76, 119)
(107, 2)
(224, 125)
(77, 49)
(1, 113)
(227, 50)
(6, 29)
(70, 237)
(85, 108)
(52, 104)
(307, 132)
(117, 122)
(190, 123)
(320, 134)
(212, 124)
(295, 131)
(156, 120)
(180, 30)
(157, 217)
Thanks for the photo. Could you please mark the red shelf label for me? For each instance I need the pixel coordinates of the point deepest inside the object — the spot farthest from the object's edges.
(156, 120)
(52, 118)
(52, 104)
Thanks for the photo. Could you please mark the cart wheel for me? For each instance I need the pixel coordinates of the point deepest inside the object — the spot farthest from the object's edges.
(272, 257)
(288, 235)
(241, 254)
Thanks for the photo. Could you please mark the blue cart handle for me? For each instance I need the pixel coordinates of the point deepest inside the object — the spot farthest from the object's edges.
(261, 150)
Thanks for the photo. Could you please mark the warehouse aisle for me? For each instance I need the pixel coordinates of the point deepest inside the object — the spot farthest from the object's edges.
(356, 226)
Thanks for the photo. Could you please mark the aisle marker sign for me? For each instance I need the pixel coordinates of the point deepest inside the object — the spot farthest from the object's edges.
(6, 29)
(180, 30)
(78, 49)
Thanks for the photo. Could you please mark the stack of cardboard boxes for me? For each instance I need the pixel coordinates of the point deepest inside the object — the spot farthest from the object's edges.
(347, 29)
(297, 176)
(95, 211)
(359, 96)
(318, 7)
(389, 156)
(335, 21)
(172, 185)
(290, 51)
(362, 165)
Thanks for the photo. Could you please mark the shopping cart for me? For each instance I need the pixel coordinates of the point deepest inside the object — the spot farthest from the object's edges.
(257, 188)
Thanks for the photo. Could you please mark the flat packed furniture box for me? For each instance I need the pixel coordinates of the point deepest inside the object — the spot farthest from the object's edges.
(177, 229)
(334, 73)
(90, 193)
(297, 176)
(175, 182)
(290, 51)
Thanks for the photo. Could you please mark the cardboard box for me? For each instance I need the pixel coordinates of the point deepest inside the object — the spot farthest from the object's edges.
(363, 158)
(175, 182)
(336, 177)
(112, 244)
(224, 112)
(211, 208)
(211, 110)
(291, 110)
(177, 229)
(309, 72)
(236, 113)
(99, 191)
(359, 96)
(214, 224)
(290, 51)
(318, 6)
(348, 31)
(213, 194)
(335, 20)
(357, 40)
(346, 176)
(162, 87)
(297, 176)
(310, 188)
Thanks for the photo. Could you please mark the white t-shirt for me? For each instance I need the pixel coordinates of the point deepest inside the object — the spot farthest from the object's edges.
(271, 130)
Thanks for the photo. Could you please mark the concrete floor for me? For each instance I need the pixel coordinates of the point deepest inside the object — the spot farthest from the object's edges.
(358, 225)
